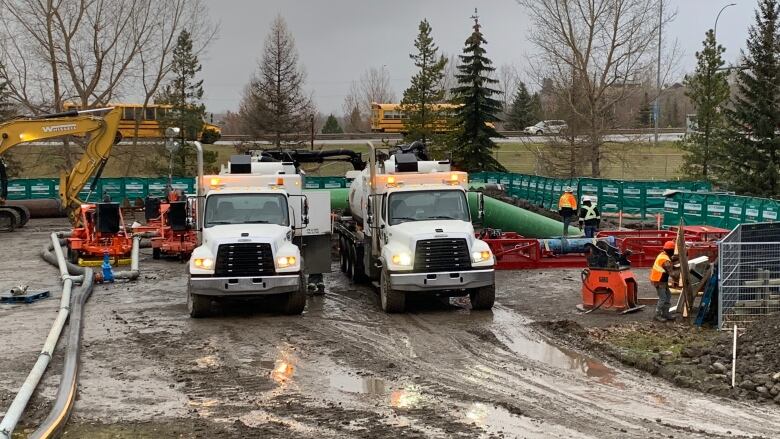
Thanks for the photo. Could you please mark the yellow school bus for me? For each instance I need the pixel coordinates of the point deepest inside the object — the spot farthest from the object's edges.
(149, 125)
(389, 118)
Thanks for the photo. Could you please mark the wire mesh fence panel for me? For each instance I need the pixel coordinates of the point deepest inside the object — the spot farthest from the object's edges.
(749, 266)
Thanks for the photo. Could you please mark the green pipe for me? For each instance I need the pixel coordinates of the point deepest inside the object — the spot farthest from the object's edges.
(498, 215)
(509, 218)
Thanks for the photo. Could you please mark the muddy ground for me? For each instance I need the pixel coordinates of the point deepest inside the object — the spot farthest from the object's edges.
(344, 369)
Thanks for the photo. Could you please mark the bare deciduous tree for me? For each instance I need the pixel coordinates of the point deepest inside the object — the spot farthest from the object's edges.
(274, 100)
(593, 52)
(374, 85)
(508, 78)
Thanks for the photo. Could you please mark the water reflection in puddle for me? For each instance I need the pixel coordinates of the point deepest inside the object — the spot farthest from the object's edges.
(524, 341)
(357, 384)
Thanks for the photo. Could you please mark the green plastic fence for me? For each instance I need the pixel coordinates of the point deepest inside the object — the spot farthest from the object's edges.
(636, 199)
(130, 188)
(718, 209)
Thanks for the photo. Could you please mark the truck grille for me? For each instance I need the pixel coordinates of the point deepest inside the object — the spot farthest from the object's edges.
(249, 259)
(442, 255)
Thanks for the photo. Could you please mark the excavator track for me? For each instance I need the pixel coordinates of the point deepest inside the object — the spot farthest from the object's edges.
(9, 219)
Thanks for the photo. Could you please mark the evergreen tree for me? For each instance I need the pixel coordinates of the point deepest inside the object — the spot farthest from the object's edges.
(332, 126)
(708, 89)
(749, 161)
(521, 112)
(425, 90)
(645, 117)
(275, 101)
(184, 93)
(356, 121)
(472, 146)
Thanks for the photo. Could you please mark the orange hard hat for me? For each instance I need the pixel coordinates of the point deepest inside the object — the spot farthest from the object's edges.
(669, 245)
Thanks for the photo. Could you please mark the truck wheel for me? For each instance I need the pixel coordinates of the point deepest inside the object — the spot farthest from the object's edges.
(9, 219)
(296, 300)
(156, 253)
(392, 301)
(198, 306)
(483, 298)
(350, 263)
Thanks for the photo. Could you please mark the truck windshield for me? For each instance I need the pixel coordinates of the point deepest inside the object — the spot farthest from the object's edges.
(246, 209)
(427, 205)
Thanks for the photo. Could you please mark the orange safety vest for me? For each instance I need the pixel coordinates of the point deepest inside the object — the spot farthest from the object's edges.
(658, 267)
(567, 200)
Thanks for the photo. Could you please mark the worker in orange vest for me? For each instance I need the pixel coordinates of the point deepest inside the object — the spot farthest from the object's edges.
(567, 208)
(659, 276)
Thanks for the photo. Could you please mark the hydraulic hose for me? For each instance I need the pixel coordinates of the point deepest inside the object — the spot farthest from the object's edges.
(66, 394)
(584, 276)
(15, 410)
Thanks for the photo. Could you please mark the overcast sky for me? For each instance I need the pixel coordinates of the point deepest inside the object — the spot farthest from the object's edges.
(339, 39)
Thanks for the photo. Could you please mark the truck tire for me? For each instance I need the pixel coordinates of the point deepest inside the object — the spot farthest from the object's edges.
(296, 300)
(350, 262)
(392, 301)
(483, 298)
(198, 306)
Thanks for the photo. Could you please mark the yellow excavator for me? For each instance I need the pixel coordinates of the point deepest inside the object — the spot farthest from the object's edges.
(102, 133)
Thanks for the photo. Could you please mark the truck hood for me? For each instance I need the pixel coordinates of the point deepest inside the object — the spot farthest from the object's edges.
(409, 233)
(244, 233)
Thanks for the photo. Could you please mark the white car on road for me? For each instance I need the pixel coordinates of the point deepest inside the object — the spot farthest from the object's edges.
(547, 127)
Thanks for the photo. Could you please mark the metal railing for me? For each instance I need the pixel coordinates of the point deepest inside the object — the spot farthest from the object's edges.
(749, 279)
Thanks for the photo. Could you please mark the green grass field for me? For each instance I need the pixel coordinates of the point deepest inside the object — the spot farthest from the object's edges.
(622, 161)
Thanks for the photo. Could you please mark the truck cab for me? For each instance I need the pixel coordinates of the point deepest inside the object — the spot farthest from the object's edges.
(252, 217)
(411, 230)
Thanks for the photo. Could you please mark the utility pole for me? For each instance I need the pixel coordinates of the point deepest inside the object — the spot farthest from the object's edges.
(312, 131)
(657, 106)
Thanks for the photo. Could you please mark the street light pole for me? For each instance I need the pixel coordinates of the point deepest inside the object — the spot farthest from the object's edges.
(715, 31)
(657, 106)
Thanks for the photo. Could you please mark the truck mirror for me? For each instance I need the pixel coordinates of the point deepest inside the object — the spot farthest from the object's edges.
(305, 211)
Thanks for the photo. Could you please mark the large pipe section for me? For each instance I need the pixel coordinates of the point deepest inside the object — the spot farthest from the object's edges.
(509, 218)
(134, 271)
(19, 403)
(563, 246)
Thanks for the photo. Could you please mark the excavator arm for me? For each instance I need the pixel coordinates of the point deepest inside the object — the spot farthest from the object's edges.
(102, 132)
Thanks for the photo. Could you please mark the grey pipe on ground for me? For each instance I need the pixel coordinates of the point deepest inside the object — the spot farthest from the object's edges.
(15, 410)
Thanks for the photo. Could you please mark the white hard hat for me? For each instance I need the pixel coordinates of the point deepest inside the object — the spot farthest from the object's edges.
(568, 189)
(586, 198)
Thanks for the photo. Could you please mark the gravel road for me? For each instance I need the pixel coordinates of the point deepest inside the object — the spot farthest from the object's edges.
(343, 369)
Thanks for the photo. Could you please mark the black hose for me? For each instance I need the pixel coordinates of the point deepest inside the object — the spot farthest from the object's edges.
(66, 394)
(584, 276)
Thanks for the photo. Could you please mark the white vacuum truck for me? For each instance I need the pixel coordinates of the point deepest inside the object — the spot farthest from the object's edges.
(410, 229)
(256, 235)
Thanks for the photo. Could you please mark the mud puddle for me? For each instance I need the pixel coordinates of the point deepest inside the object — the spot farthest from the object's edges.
(524, 341)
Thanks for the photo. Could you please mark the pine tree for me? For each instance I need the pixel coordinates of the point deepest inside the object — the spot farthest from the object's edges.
(275, 101)
(708, 89)
(521, 112)
(184, 93)
(749, 160)
(426, 90)
(472, 146)
(332, 126)
(645, 117)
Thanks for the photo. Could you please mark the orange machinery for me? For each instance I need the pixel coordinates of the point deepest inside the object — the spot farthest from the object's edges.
(167, 220)
(101, 231)
(608, 282)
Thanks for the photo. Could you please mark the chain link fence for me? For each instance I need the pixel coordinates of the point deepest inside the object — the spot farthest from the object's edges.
(749, 266)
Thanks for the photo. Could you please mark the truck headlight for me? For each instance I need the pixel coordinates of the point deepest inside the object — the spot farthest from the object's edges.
(480, 256)
(204, 263)
(404, 259)
(285, 261)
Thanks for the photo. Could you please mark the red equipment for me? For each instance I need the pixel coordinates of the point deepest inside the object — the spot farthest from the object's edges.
(173, 234)
(102, 232)
(604, 288)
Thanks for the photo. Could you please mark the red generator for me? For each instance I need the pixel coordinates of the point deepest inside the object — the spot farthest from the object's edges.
(168, 220)
(609, 289)
(102, 231)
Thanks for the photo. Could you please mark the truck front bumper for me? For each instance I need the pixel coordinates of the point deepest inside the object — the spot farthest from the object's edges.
(244, 286)
(447, 280)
